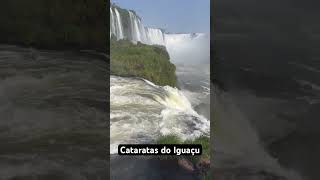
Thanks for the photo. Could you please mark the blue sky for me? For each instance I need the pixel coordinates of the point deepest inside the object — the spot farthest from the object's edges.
(176, 16)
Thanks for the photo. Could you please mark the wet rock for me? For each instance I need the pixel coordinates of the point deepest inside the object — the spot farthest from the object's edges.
(203, 166)
(186, 164)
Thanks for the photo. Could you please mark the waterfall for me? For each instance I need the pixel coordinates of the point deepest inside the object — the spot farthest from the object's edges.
(139, 31)
(127, 25)
(112, 24)
(116, 27)
(135, 27)
(119, 24)
(156, 36)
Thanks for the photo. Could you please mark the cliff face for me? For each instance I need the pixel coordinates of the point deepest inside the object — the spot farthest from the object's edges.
(56, 24)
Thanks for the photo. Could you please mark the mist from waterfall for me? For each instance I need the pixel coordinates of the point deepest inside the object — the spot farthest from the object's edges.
(142, 111)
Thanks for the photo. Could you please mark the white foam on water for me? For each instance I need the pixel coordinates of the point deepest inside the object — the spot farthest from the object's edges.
(142, 111)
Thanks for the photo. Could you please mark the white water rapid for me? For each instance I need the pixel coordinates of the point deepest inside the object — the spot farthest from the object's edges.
(142, 111)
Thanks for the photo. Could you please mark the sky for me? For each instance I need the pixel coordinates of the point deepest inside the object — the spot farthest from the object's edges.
(175, 16)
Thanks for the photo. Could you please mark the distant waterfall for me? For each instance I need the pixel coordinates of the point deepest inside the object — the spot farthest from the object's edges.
(119, 23)
(156, 36)
(135, 27)
(125, 24)
(112, 27)
(116, 24)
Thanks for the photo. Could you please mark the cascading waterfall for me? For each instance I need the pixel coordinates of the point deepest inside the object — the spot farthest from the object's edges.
(112, 26)
(156, 36)
(136, 34)
(142, 111)
(133, 29)
(119, 24)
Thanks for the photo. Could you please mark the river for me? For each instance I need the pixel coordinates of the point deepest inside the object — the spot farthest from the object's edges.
(53, 114)
(142, 111)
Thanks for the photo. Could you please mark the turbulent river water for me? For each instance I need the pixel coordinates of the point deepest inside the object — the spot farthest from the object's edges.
(53, 115)
(142, 111)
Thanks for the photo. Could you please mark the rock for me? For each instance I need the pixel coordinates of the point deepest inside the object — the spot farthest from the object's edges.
(187, 165)
(203, 166)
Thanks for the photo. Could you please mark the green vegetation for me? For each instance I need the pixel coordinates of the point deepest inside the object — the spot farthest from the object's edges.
(173, 139)
(140, 60)
(57, 24)
(203, 140)
(169, 139)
